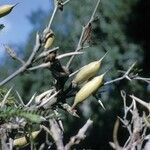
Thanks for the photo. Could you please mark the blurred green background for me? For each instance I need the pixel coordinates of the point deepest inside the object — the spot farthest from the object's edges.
(123, 29)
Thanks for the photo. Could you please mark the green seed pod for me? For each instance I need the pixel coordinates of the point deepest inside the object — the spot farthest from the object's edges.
(49, 39)
(6, 9)
(88, 71)
(88, 89)
(23, 141)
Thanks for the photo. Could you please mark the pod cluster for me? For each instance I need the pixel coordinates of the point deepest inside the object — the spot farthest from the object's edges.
(87, 74)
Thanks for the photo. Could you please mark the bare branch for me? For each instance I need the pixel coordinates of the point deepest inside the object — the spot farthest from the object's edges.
(26, 65)
(5, 98)
(145, 104)
(69, 54)
(126, 75)
(45, 53)
(43, 65)
(31, 100)
(115, 134)
(56, 134)
(48, 100)
(84, 29)
(20, 99)
(65, 2)
(69, 110)
(79, 136)
(12, 54)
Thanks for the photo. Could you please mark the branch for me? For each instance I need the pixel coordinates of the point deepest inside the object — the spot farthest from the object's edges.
(5, 98)
(53, 14)
(126, 75)
(27, 64)
(79, 136)
(12, 54)
(56, 134)
(84, 29)
(48, 64)
(56, 6)
(115, 134)
(65, 2)
(143, 103)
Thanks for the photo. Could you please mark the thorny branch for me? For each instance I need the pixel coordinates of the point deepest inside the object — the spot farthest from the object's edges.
(136, 127)
(84, 34)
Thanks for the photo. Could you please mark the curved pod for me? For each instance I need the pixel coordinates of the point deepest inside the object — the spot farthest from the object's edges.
(88, 71)
(88, 89)
(6, 9)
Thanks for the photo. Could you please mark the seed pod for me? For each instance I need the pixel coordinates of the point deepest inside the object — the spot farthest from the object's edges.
(6, 9)
(88, 71)
(88, 89)
(49, 39)
(23, 141)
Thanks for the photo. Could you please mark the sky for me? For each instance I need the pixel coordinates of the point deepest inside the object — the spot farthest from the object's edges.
(17, 26)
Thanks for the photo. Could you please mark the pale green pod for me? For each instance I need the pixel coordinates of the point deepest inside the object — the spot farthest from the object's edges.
(22, 141)
(88, 71)
(88, 89)
(49, 40)
(6, 9)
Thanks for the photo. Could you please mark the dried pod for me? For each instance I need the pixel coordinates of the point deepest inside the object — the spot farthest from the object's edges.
(60, 5)
(23, 141)
(50, 57)
(49, 39)
(88, 89)
(88, 71)
(6, 9)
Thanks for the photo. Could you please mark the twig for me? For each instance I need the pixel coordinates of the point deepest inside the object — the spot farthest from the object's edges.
(43, 65)
(48, 64)
(69, 110)
(145, 104)
(56, 134)
(69, 54)
(5, 98)
(53, 14)
(26, 65)
(48, 100)
(65, 2)
(142, 79)
(115, 132)
(45, 53)
(79, 136)
(20, 99)
(126, 108)
(13, 54)
(31, 100)
(55, 10)
(126, 75)
(84, 28)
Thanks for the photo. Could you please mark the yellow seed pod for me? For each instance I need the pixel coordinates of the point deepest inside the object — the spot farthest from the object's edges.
(6, 9)
(23, 141)
(49, 39)
(88, 71)
(88, 89)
